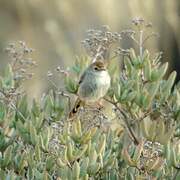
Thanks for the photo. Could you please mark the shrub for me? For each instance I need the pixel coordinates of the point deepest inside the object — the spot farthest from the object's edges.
(138, 138)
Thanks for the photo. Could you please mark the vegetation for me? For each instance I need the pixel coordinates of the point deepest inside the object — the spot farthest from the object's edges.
(137, 137)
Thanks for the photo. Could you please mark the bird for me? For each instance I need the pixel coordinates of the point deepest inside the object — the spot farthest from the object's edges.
(93, 85)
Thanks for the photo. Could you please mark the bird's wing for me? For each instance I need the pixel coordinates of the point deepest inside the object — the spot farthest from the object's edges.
(82, 78)
(77, 105)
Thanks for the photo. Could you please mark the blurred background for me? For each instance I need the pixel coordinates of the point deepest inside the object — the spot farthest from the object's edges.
(56, 28)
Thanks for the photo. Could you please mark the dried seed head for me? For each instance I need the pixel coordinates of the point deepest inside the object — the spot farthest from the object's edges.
(98, 42)
(49, 74)
(138, 21)
(58, 68)
(20, 62)
(149, 25)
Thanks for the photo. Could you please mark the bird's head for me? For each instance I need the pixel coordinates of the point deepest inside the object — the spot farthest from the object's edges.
(99, 66)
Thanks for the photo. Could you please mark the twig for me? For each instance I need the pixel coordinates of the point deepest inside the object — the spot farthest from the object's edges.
(2, 92)
(66, 96)
(14, 107)
(98, 54)
(176, 174)
(61, 93)
(141, 44)
(134, 40)
(53, 84)
(149, 36)
(143, 117)
(113, 57)
(136, 141)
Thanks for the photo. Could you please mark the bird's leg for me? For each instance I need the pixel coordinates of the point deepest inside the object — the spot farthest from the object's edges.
(99, 104)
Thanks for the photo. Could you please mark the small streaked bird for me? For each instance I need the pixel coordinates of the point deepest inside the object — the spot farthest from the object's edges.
(93, 85)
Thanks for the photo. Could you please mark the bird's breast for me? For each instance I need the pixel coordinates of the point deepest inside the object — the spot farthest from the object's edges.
(103, 78)
(94, 86)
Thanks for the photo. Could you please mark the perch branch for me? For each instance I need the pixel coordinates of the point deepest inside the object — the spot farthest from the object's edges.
(136, 141)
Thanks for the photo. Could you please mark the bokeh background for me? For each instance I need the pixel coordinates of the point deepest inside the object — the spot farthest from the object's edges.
(55, 29)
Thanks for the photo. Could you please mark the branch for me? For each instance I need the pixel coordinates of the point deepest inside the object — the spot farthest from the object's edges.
(176, 174)
(12, 105)
(136, 141)
(149, 36)
(141, 44)
(62, 93)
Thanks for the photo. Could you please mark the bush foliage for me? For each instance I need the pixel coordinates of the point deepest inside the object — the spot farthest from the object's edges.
(136, 138)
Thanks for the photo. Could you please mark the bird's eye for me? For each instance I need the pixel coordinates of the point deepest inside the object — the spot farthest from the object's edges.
(96, 68)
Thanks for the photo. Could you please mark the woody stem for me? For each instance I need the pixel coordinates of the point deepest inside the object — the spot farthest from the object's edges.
(135, 140)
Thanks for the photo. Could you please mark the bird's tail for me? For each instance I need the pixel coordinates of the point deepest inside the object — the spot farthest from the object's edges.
(77, 105)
